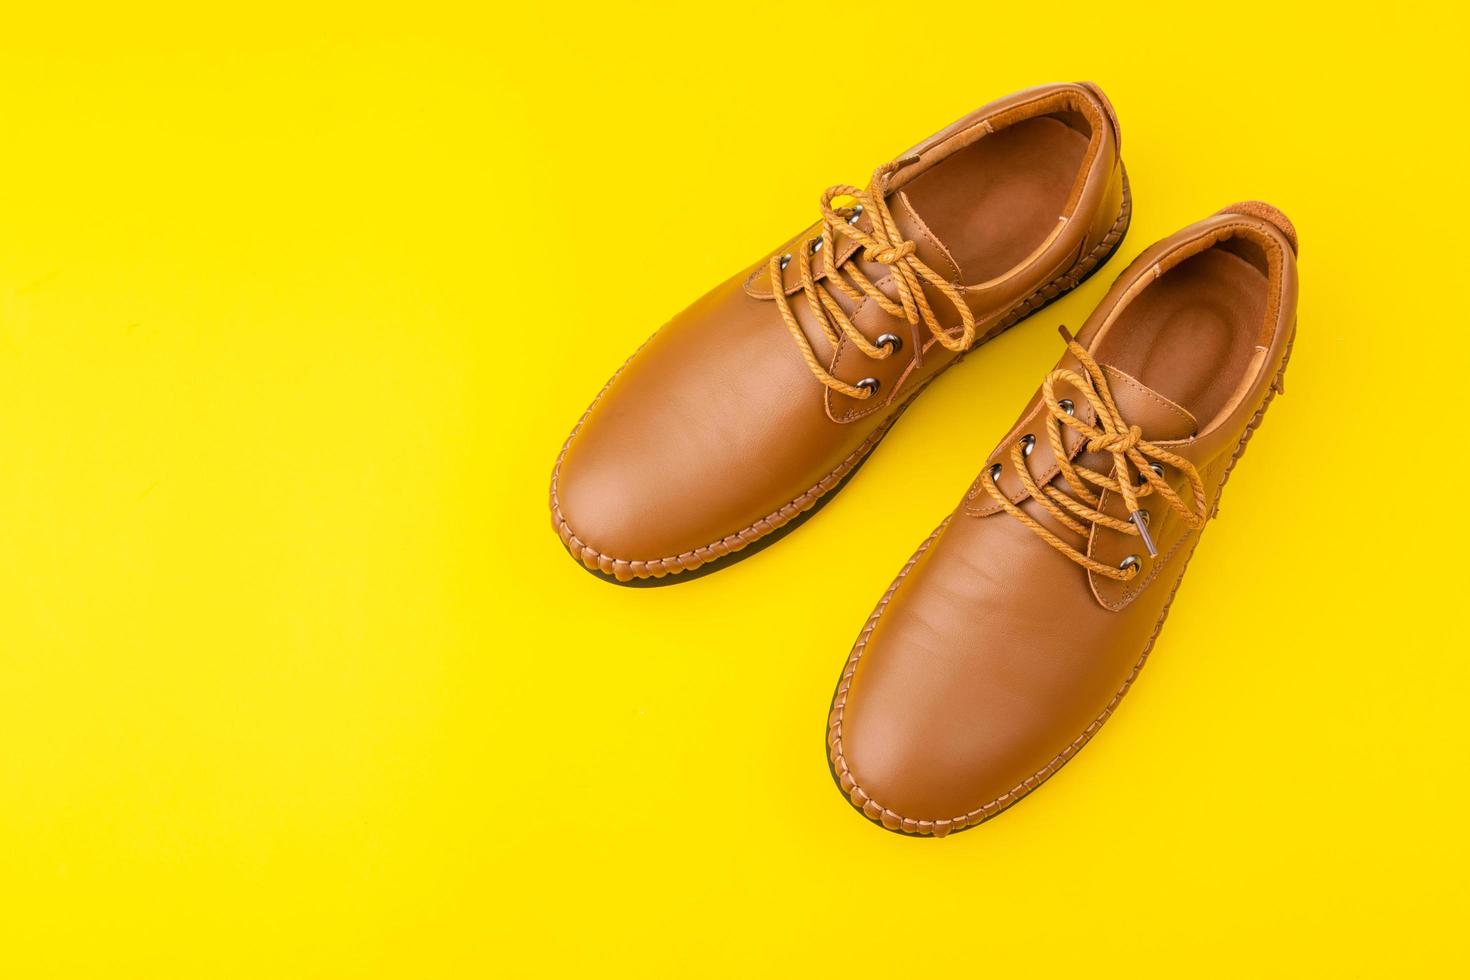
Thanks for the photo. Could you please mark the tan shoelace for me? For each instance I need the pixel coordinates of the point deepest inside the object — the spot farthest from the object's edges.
(1128, 448)
(886, 245)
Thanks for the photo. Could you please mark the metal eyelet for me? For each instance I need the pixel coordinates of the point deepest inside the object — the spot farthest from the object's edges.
(870, 385)
(1028, 443)
(785, 260)
(1130, 562)
(1158, 472)
(892, 341)
(816, 245)
(1145, 515)
(857, 212)
(1067, 406)
(994, 472)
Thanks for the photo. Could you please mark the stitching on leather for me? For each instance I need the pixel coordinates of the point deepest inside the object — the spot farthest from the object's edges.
(1092, 96)
(689, 560)
(923, 229)
(1059, 286)
(592, 558)
(731, 542)
(1040, 297)
(1126, 597)
(895, 821)
(1049, 93)
(1123, 601)
(1158, 399)
(862, 304)
(1137, 586)
(988, 506)
(754, 280)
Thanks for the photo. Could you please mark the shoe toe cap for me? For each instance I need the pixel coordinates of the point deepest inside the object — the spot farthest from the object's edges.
(652, 492)
(899, 767)
(939, 724)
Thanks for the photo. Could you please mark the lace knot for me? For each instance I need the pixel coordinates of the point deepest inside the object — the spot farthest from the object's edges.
(889, 254)
(1083, 509)
(1116, 442)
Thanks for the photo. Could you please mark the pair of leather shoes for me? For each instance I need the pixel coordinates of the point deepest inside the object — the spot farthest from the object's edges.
(1017, 627)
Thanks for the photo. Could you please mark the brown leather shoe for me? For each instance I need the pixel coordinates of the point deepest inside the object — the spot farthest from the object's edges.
(755, 403)
(1016, 629)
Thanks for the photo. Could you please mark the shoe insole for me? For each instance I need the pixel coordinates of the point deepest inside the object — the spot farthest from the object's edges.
(1191, 335)
(995, 201)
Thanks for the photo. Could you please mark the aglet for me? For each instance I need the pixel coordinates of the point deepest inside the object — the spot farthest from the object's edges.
(1141, 522)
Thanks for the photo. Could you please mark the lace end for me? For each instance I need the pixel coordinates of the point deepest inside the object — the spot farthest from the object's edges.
(1141, 522)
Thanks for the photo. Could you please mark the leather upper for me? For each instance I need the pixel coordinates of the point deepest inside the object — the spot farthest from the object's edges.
(716, 433)
(994, 656)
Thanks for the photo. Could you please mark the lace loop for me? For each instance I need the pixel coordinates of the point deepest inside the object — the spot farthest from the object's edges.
(1112, 435)
(883, 244)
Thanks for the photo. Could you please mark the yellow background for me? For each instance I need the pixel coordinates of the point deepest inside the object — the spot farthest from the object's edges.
(296, 309)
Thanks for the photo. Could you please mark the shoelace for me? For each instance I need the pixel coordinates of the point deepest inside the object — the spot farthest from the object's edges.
(1128, 448)
(885, 245)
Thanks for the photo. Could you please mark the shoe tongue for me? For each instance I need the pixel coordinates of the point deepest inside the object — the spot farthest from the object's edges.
(927, 246)
(1160, 419)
